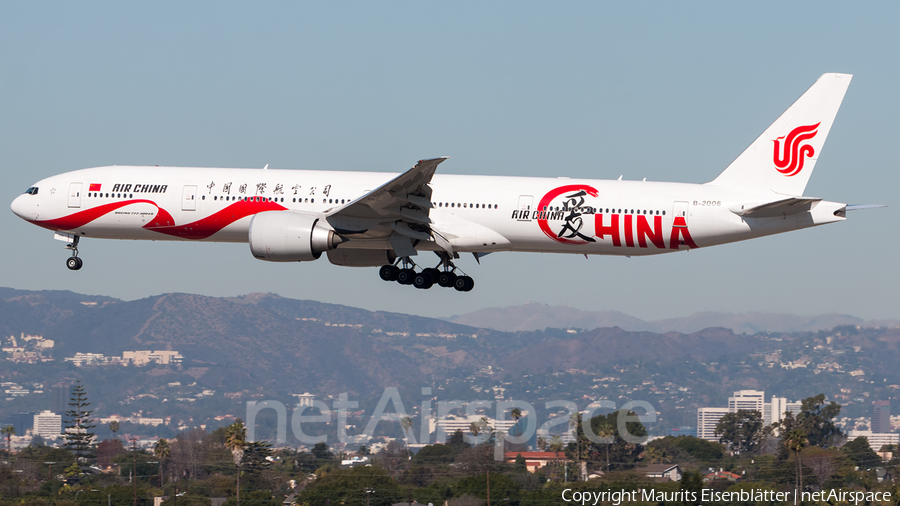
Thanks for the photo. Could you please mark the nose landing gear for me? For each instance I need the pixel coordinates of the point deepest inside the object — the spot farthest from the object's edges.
(73, 262)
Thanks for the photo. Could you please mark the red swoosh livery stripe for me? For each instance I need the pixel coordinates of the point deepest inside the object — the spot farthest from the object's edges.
(163, 221)
(206, 227)
(82, 218)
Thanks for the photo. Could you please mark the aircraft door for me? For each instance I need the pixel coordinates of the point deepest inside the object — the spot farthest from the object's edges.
(525, 203)
(75, 194)
(680, 211)
(189, 198)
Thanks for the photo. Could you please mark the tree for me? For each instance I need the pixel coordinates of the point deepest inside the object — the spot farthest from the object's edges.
(816, 420)
(350, 486)
(542, 444)
(619, 450)
(795, 441)
(475, 429)
(236, 441)
(78, 436)
(743, 431)
(556, 446)
(8, 432)
(516, 414)
(406, 424)
(861, 453)
(107, 450)
(114, 428)
(581, 442)
(162, 450)
(321, 452)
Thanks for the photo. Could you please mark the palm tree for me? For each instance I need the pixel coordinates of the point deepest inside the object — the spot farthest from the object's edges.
(162, 450)
(406, 424)
(556, 446)
(516, 414)
(9, 431)
(475, 428)
(114, 428)
(236, 441)
(796, 441)
(606, 431)
(574, 425)
(542, 444)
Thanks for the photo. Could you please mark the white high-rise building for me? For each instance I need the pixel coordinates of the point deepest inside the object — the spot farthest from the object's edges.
(749, 400)
(47, 424)
(707, 419)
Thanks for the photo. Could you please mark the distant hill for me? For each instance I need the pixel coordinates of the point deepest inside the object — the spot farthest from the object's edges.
(536, 316)
(263, 346)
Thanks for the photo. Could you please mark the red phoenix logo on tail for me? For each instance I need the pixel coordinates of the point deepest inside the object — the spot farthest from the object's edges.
(789, 159)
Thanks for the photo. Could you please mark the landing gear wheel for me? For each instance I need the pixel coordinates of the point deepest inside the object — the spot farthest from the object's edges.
(74, 263)
(464, 284)
(432, 273)
(389, 272)
(446, 279)
(422, 280)
(406, 276)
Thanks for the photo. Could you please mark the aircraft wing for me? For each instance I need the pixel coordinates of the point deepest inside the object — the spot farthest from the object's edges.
(793, 205)
(397, 210)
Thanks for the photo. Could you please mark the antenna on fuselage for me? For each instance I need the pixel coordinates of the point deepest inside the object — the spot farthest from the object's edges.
(266, 167)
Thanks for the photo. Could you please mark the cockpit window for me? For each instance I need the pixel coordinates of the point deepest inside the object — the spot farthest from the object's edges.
(32, 191)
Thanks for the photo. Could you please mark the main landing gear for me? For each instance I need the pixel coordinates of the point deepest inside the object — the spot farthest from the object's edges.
(403, 272)
(73, 262)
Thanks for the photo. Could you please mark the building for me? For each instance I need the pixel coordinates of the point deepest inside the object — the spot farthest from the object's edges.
(707, 419)
(47, 424)
(304, 400)
(773, 412)
(748, 400)
(881, 416)
(445, 427)
(662, 472)
(143, 357)
(876, 440)
(536, 460)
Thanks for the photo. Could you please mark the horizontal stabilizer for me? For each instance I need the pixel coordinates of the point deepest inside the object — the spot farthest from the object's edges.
(782, 207)
(857, 207)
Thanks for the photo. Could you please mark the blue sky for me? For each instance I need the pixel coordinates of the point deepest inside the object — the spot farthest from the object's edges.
(667, 91)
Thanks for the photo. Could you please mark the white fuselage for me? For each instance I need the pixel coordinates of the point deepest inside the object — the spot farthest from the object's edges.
(477, 213)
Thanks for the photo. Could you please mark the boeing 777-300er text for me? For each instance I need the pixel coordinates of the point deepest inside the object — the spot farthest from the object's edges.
(368, 219)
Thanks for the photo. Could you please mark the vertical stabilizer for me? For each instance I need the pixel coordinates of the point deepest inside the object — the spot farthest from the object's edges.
(783, 157)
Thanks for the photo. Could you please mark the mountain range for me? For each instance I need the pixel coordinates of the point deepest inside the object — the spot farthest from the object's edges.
(537, 316)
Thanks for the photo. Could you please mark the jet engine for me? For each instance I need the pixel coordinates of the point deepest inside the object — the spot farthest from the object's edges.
(289, 236)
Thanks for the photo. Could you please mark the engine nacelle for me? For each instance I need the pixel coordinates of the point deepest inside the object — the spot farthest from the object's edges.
(361, 257)
(289, 236)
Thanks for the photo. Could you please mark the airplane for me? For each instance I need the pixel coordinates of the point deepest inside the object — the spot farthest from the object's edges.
(371, 219)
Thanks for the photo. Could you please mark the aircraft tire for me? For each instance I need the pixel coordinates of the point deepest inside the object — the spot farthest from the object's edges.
(389, 272)
(461, 284)
(432, 273)
(74, 263)
(406, 276)
(422, 281)
(446, 279)
(470, 284)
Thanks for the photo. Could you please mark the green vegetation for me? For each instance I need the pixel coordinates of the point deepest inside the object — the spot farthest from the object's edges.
(197, 465)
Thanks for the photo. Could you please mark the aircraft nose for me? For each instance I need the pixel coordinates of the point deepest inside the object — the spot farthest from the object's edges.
(19, 207)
